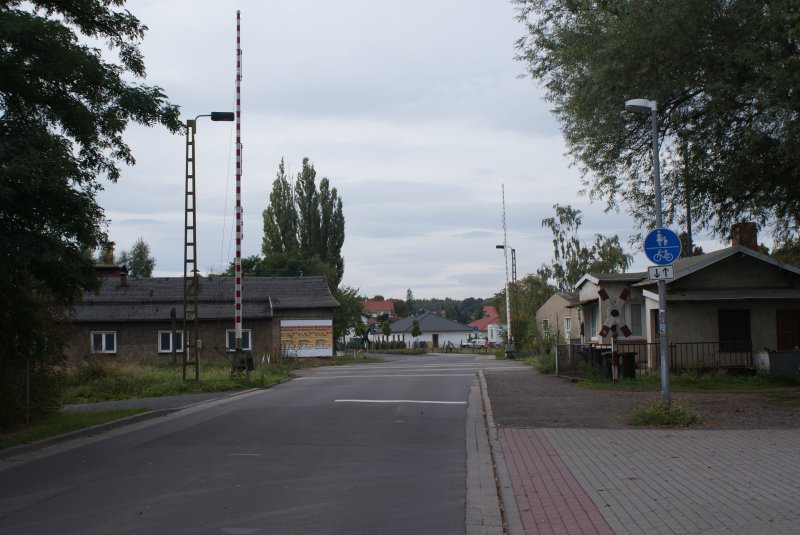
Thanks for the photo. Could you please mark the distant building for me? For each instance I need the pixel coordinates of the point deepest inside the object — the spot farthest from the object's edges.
(131, 319)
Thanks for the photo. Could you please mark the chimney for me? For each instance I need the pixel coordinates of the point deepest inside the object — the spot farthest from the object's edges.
(108, 253)
(123, 277)
(745, 234)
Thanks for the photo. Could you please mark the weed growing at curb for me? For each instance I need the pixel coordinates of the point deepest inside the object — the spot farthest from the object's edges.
(659, 413)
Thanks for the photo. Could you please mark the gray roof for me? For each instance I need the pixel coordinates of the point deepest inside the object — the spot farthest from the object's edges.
(570, 297)
(428, 323)
(691, 264)
(152, 299)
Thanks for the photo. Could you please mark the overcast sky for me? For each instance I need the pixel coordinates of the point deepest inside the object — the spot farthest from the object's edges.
(414, 110)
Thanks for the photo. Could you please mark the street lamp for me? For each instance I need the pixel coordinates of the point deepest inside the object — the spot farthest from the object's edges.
(510, 341)
(641, 105)
(191, 344)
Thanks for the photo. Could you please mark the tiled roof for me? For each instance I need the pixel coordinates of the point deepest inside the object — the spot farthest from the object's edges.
(378, 307)
(152, 299)
(428, 323)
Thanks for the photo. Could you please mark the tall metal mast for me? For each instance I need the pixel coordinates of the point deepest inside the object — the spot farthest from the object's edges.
(238, 260)
(510, 341)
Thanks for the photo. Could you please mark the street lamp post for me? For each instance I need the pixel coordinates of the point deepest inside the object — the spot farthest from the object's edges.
(640, 105)
(191, 273)
(510, 341)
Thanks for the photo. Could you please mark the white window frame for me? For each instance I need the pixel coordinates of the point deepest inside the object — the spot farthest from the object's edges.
(179, 349)
(247, 340)
(103, 342)
(567, 326)
(545, 326)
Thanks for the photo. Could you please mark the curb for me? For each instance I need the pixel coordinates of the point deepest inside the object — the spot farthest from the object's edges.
(510, 512)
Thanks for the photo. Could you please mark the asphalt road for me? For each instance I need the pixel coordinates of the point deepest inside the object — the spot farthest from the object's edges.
(376, 448)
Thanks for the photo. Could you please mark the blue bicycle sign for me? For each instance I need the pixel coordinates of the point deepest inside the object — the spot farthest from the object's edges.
(662, 246)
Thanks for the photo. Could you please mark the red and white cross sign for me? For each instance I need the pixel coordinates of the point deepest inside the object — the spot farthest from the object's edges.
(614, 318)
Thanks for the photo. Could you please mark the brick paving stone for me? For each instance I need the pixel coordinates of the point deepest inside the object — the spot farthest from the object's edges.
(549, 498)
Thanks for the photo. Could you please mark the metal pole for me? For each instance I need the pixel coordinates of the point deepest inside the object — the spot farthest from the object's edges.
(662, 285)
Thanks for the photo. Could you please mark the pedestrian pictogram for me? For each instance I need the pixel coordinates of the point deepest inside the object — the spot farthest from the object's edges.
(662, 246)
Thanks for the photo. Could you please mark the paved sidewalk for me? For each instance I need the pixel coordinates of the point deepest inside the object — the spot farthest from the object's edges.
(594, 480)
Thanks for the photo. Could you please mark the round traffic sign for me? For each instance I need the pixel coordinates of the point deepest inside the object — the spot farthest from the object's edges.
(662, 246)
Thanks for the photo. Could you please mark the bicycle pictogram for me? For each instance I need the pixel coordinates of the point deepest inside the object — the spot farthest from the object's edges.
(662, 255)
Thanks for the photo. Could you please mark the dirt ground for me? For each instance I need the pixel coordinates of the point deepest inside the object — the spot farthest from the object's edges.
(530, 399)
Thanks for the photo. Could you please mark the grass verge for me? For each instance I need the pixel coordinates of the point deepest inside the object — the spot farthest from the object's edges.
(61, 423)
(780, 389)
(99, 380)
(659, 413)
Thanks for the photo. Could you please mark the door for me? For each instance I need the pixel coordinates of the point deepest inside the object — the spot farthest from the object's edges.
(788, 323)
(435, 340)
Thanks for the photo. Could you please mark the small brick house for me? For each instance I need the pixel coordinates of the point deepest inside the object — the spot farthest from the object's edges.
(131, 319)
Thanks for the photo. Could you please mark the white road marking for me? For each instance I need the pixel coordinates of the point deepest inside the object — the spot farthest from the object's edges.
(370, 376)
(425, 402)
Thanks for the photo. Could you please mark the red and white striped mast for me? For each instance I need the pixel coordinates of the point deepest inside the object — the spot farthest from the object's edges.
(238, 260)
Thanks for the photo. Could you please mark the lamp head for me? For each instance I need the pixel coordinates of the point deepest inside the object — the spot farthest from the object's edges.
(640, 105)
(222, 116)
(499, 246)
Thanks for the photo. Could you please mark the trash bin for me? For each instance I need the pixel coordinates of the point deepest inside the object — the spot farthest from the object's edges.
(603, 362)
(628, 361)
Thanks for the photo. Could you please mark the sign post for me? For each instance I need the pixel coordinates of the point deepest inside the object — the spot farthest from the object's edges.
(662, 247)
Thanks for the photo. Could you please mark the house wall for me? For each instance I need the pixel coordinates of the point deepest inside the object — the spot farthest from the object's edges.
(554, 310)
(138, 341)
(455, 338)
(691, 321)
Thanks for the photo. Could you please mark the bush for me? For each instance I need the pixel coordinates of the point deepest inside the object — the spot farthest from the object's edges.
(543, 363)
(662, 414)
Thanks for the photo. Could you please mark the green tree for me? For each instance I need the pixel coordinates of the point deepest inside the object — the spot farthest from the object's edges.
(788, 252)
(410, 304)
(304, 226)
(724, 74)
(64, 106)
(138, 261)
(348, 315)
(386, 328)
(572, 258)
(528, 294)
(415, 329)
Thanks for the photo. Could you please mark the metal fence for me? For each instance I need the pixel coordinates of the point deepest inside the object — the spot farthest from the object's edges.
(641, 358)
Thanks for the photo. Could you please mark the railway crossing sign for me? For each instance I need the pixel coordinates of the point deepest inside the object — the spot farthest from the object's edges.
(614, 318)
(662, 246)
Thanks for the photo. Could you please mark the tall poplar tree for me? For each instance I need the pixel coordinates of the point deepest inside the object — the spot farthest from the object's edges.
(303, 227)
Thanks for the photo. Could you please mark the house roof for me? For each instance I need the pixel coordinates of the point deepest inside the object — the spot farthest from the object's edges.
(490, 316)
(428, 322)
(152, 299)
(683, 267)
(599, 278)
(378, 307)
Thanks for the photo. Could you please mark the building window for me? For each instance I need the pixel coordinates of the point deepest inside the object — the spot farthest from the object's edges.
(734, 330)
(567, 327)
(591, 319)
(635, 319)
(545, 326)
(230, 342)
(165, 341)
(103, 341)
